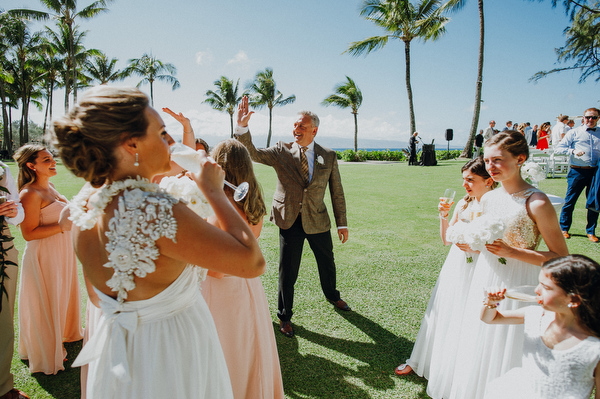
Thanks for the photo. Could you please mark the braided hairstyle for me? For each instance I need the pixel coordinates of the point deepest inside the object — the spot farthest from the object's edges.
(579, 275)
(88, 135)
(477, 167)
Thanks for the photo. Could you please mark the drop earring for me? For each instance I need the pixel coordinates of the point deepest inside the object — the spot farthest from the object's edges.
(136, 163)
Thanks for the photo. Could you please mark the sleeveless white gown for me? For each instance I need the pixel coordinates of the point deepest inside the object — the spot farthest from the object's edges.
(162, 347)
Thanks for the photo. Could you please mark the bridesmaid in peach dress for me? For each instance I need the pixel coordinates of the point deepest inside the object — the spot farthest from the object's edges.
(49, 298)
(239, 305)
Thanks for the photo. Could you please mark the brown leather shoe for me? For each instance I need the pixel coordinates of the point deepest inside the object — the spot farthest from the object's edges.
(14, 394)
(285, 327)
(593, 238)
(340, 305)
(566, 234)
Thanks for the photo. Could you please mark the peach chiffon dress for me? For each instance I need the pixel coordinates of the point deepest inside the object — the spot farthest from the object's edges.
(49, 298)
(241, 313)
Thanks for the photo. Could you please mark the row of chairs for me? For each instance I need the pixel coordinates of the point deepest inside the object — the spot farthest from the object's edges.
(554, 165)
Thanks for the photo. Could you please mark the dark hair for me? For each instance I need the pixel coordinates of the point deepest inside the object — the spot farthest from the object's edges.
(235, 160)
(87, 136)
(24, 155)
(579, 275)
(510, 140)
(477, 166)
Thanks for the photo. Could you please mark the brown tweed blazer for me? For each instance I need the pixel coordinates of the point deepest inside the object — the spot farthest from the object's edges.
(292, 195)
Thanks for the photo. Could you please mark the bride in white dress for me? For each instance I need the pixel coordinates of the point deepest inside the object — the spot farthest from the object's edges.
(137, 245)
(485, 352)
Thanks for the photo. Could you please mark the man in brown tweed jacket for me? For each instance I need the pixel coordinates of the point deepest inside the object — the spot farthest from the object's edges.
(298, 207)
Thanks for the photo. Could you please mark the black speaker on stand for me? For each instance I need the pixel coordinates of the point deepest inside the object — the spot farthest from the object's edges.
(449, 136)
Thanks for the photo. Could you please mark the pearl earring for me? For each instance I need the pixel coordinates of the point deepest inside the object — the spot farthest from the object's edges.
(136, 163)
(570, 305)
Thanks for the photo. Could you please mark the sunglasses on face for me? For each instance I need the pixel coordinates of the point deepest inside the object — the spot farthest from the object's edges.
(591, 117)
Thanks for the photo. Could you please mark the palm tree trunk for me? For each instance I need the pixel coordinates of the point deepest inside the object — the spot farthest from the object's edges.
(5, 122)
(468, 150)
(355, 131)
(47, 110)
(411, 108)
(270, 120)
(231, 122)
(152, 94)
(72, 54)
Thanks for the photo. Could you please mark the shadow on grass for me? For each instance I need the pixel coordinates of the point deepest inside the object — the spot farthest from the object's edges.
(309, 375)
(65, 384)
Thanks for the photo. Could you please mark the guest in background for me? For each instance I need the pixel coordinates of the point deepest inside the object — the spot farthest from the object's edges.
(508, 126)
(533, 142)
(559, 130)
(239, 305)
(582, 144)
(11, 212)
(478, 144)
(543, 135)
(489, 132)
(528, 132)
(49, 299)
(412, 144)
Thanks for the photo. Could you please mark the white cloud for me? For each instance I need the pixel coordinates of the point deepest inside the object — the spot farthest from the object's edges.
(240, 58)
(204, 57)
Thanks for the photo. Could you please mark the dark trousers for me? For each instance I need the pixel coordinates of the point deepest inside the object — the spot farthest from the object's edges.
(291, 242)
(577, 180)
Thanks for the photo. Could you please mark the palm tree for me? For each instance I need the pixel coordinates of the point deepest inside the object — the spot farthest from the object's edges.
(66, 12)
(103, 70)
(225, 98)
(403, 21)
(7, 23)
(24, 51)
(347, 95)
(52, 63)
(263, 91)
(151, 69)
(455, 5)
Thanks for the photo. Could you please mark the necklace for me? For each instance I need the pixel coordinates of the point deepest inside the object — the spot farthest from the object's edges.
(84, 217)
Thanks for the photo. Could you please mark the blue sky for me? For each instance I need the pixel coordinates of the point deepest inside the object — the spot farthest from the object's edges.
(303, 42)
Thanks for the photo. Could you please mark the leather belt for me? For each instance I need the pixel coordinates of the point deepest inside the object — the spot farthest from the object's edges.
(583, 167)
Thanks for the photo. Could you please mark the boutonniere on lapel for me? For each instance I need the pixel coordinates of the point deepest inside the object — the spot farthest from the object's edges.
(320, 160)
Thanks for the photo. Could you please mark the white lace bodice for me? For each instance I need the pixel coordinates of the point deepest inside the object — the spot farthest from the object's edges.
(521, 231)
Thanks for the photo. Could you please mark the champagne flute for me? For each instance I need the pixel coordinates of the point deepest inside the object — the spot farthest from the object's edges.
(523, 293)
(189, 159)
(448, 196)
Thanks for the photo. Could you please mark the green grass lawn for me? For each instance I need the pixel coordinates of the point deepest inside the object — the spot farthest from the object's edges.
(386, 272)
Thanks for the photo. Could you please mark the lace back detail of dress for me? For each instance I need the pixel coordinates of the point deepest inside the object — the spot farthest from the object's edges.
(140, 219)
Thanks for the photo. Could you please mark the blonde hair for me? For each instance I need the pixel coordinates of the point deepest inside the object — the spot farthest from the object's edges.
(235, 160)
(24, 155)
(87, 136)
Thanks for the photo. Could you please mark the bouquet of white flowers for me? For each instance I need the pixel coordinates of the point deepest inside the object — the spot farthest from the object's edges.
(484, 230)
(186, 189)
(532, 172)
(456, 235)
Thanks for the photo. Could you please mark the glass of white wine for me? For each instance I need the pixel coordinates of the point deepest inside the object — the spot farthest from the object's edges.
(523, 293)
(448, 196)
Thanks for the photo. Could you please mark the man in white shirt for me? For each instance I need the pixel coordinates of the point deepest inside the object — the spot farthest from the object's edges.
(528, 132)
(559, 130)
(489, 132)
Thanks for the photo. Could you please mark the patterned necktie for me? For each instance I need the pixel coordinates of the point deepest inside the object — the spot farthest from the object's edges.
(304, 163)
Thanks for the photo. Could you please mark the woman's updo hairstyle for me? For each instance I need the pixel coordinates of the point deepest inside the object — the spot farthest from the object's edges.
(24, 155)
(88, 135)
(510, 140)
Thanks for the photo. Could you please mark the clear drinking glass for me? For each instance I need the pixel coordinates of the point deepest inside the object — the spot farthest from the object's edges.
(189, 159)
(448, 196)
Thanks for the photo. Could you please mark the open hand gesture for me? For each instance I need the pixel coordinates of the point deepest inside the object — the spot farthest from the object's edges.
(185, 122)
(244, 114)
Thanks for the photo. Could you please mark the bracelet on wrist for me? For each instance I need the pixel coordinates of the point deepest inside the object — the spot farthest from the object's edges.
(444, 218)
